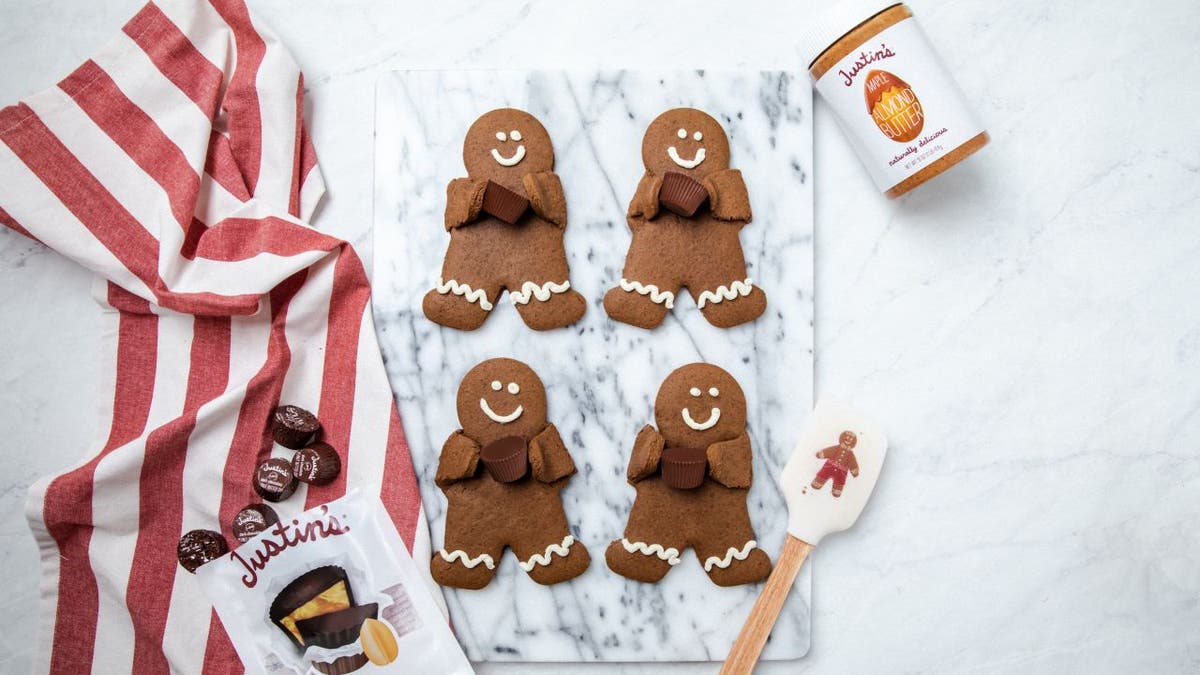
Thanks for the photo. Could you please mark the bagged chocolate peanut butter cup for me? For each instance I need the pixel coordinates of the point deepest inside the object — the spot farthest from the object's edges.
(683, 468)
(341, 665)
(682, 194)
(503, 203)
(338, 628)
(507, 459)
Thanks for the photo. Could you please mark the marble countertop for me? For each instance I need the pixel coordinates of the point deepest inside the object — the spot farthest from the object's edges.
(1023, 327)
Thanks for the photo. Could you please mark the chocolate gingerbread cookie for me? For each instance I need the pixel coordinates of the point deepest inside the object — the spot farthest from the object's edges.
(686, 217)
(692, 475)
(502, 473)
(506, 222)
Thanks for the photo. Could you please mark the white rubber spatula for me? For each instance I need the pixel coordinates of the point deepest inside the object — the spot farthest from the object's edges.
(826, 482)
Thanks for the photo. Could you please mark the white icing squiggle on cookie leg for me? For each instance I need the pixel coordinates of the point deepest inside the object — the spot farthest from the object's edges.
(730, 555)
(469, 294)
(671, 555)
(548, 556)
(467, 561)
(665, 298)
(735, 290)
(541, 292)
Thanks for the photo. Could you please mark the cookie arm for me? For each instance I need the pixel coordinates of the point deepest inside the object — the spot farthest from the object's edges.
(645, 201)
(727, 195)
(546, 196)
(730, 462)
(549, 456)
(464, 201)
(824, 454)
(459, 460)
(647, 451)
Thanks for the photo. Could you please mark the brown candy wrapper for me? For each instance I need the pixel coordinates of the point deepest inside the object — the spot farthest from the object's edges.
(683, 468)
(295, 598)
(318, 464)
(503, 203)
(681, 194)
(507, 460)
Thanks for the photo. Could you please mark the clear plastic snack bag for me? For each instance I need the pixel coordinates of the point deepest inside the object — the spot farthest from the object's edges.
(331, 591)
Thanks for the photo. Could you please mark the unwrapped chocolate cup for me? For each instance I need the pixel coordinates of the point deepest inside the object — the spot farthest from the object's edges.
(683, 468)
(507, 459)
(503, 203)
(343, 665)
(336, 629)
(681, 194)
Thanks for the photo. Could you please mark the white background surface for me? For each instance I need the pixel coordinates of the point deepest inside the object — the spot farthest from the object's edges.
(1025, 328)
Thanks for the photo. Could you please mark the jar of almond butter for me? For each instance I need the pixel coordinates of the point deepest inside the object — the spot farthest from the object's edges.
(892, 95)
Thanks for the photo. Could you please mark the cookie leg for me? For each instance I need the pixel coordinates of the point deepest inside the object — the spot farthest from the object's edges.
(733, 559)
(464, 564)
(639, 301)
(455, 303)
(554, 561)
(729, 302)
(548, 304)
(644, 555)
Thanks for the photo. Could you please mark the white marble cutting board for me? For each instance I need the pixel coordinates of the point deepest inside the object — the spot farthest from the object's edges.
(601, 377)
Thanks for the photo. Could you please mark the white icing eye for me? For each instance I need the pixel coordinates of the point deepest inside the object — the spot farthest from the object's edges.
(501, 136)
(698, 136)
(515, 135)
(695, 391)
(682, 133)
(496, 386)
(714, 392)
(514, 388)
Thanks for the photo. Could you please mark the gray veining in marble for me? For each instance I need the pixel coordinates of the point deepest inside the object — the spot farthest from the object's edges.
(601, 377)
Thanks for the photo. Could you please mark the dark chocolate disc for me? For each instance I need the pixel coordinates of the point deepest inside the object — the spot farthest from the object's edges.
(318, 464)
(252, 520)
(200, 546)
(273, 480)
(294, 427)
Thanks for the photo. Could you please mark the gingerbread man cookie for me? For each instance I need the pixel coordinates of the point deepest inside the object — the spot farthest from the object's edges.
(692, 475)
(506, 221)
(502, 473)
(686, 217)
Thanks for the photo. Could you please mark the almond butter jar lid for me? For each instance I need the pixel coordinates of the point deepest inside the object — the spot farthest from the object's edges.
(890, 92)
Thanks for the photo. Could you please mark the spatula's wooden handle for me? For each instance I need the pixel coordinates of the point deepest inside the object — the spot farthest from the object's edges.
(750, 641)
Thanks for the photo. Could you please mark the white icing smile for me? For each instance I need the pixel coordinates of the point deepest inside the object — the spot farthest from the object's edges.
(674, 155)
(707, 424)
(519, 155)
(503, 419)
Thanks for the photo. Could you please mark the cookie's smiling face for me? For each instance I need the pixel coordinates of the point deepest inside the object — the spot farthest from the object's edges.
(504, 145)
(699, 405)
(686, 141)
(501, 397)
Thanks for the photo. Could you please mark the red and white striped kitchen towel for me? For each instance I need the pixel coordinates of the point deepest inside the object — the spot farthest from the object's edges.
(176, 166)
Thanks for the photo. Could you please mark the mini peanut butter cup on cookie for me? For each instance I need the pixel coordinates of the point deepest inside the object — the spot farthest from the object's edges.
(503, 203)
(683, 467)
(506, 459)
(682, 195)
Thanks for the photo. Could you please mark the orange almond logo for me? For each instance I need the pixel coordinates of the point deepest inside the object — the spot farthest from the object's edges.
(893, 105)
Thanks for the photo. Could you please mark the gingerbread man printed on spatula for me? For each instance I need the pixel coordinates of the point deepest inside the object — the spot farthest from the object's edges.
(692, 476)
(686, 217)
(502, 474)
(506, 222)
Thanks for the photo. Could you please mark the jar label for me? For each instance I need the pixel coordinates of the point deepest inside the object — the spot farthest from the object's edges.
(898, 104)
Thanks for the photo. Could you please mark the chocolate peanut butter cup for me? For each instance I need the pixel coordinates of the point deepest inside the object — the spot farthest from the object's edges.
(343, 665)
(683, 468)
(200, 546)
(274, 481)
(336, 629)
(294, 427)
(503, 203)
(318, 464)
(320, 591)
(507, 459)
(681, 194)
(252, 520)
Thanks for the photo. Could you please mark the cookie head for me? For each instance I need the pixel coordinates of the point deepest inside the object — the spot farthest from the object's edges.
(505, 144)
(687, 141)
(847, 440)
(698, 405)
(499, 398)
